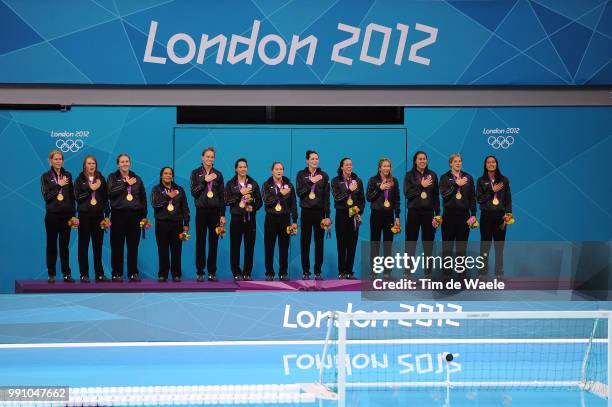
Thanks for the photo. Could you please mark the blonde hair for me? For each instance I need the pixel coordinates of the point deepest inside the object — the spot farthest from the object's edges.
(55, 151)
(209, 149)
(453, 156)
(382, 161)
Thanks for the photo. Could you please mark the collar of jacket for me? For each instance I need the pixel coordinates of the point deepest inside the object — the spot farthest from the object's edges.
(271, 181)
(130, 173)
(317, 171)
(249, 180)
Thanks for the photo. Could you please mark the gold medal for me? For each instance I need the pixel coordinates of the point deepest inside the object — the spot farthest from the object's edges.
(170, 207)
(93, 202)
(423, 195)
(278, 207)
(312, 195)
(495, 201)
(387, 204)
(60, 197)
(458, 195)
(241, 204)
(130, 197)
(349, 201)
(210, 194)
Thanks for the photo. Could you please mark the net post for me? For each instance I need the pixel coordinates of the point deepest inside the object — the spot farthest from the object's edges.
(609, 357)
(330, 326)
(342, 360)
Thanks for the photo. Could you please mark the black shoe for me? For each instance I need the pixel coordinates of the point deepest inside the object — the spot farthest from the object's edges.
(246, 277)
(237, 277)
(341, 276)
(200, 278)
(318, 277)
(161, 279)
(135, 278)
(84, 279)
(306, 276)
(270, 278)
(350, 276)
(68, 279)
(283, 277)
(102, 279)
(117, 279)
(212, 278)
(51, 280)
(176, 279)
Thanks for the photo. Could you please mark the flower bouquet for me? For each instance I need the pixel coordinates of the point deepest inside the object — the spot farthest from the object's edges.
(105, 224)
(473, 222)
(508, 220)
(326, 227)
(436, 221)
(220, 231)
(73, 222)
(184, 236)
(292, 230)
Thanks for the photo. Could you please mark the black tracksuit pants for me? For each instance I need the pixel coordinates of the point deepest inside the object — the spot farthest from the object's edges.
(275, 228)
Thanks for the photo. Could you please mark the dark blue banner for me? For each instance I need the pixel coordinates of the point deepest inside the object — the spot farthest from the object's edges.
(319, 42)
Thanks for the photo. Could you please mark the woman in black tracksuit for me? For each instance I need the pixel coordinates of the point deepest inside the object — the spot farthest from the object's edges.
(171, 219)
(243, 197)
(313, 190)
(459, 201)
(281, 212)
(423, 198)
(384, 197)
(57, 191)
(495, 199)
(207, 188)
(347, 189)
(92, 205)
(128, 202)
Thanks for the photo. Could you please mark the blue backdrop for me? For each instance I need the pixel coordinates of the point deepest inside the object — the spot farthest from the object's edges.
(558, 153)
(358, 42)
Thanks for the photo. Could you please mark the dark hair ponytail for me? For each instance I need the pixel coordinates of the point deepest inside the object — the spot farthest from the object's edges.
(414, 158)
(485, 173)
(341, 164)
(162, 171)
(308, 152)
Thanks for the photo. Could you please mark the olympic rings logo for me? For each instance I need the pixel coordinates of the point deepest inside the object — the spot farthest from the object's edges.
(69, 145)
(500, 141)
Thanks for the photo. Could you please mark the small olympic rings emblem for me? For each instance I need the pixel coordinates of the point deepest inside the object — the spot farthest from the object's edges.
(500, 141)
(69, 145)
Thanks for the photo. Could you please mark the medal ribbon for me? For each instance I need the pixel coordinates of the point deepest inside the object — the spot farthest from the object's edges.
(492, 179)
(386, 194)
(57, 178)
(129, 188)
(277, 189)
(93, 193)
(347, 182)
(312, 188)
(209, 184)
(456, 178)
(166, 190)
